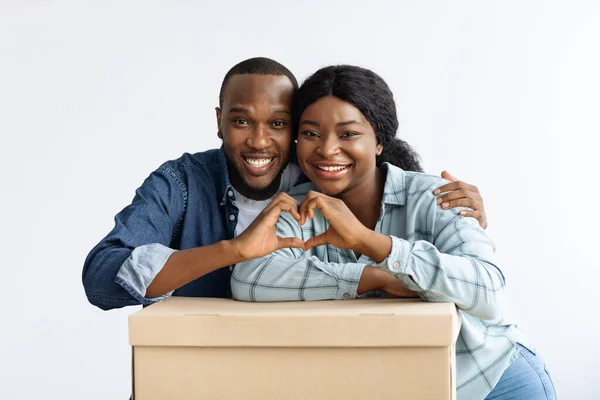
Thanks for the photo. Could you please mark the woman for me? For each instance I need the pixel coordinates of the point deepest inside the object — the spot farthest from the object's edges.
(371, 226)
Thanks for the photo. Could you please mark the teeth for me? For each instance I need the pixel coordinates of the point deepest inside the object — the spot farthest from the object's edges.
(258, 162)
(332, 169)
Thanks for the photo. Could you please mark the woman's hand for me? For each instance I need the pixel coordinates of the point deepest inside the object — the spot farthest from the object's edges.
(345, 230)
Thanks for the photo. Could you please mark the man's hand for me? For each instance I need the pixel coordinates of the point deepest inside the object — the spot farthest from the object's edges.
(460, 194)
(345, 230)
(260, 238)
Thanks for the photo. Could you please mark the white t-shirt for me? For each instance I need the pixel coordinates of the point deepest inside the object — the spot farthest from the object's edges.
(249, 209)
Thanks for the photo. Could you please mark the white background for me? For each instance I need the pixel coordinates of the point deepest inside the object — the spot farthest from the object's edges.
(94, 95)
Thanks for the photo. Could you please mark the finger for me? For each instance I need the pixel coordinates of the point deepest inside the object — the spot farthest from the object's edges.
(273, 214)
(280, 197)
(289, 242)
(302, 207)
(308, 205)
(314, 241)
(458, 194)
(288, 204)
(475, 205)
(455, 186)
(284, 206)
(448, 176)
(478, 215)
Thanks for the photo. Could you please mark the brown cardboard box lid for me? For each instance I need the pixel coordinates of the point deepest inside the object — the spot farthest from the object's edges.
(207, 322)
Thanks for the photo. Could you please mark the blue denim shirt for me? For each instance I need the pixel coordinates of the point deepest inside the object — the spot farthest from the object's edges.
(186, 203)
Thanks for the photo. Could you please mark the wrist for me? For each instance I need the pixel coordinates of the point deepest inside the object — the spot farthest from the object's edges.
(370, 280)
(375, 245)
(232, 250)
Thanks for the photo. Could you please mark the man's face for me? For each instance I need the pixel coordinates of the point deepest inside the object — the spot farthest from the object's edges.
(256, 131)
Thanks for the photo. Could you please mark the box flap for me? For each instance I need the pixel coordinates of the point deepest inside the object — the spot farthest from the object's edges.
(182, 321)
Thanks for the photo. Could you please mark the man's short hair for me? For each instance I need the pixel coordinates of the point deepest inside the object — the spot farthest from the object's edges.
(260, 66)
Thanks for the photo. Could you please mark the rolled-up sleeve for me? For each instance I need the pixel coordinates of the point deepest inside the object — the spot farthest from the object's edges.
(118, 270)
(140, 269)
(459, 266)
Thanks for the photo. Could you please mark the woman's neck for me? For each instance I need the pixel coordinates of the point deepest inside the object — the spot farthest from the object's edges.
(364, 200)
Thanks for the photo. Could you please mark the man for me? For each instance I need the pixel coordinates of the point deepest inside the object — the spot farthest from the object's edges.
(187, 224)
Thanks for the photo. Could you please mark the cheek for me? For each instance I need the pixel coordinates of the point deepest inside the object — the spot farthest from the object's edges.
(235, 137)
(283, 139)
(303, 150)
(362, 150)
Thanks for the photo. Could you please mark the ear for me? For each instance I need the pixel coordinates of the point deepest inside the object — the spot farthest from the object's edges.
(379, 149)
(219, 132)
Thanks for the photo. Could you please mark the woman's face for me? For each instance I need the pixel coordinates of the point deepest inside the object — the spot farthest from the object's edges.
(337, 146)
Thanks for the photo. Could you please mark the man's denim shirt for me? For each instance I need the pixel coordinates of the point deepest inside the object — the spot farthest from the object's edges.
(188, 202)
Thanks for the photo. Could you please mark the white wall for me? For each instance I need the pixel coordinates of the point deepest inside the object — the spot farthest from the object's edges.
(95, 95)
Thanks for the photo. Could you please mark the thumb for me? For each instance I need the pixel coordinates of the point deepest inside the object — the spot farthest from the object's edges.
(447, 175)
(315, 241)
(288, 242)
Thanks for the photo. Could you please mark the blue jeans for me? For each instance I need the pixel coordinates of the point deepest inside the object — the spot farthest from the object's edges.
(527, 378)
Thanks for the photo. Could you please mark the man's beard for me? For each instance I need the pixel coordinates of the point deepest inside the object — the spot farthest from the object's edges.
(251, 192)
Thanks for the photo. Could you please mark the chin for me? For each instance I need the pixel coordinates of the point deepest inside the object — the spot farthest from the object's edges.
(330, 190)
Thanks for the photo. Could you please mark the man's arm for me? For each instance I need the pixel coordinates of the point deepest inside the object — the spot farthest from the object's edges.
(133, 264)
(184, 266)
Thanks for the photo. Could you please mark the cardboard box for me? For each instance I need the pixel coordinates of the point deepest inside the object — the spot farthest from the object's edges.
(195, 348)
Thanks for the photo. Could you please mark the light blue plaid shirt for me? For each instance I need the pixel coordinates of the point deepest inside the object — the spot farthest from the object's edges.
(448, 257)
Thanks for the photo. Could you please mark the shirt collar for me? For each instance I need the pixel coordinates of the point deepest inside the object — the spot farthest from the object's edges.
(394, 190)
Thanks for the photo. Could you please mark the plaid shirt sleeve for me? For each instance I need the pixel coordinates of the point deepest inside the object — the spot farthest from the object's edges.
(459, 266)
(293, 274)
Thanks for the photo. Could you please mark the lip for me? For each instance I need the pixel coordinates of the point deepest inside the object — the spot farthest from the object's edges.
(330, 174)
(258, 171)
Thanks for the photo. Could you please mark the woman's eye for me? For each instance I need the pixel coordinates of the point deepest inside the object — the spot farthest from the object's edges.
(310, 133)
(349, 134)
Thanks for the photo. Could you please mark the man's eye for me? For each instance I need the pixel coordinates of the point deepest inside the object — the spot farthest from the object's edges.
(278, 124)
(240, 121)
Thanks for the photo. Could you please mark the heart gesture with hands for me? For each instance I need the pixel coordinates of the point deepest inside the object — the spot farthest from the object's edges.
(345, 230)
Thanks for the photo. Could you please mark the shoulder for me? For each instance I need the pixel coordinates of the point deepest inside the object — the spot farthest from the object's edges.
(190, 166)
(421, 182)
(193, 161)
(410, 185)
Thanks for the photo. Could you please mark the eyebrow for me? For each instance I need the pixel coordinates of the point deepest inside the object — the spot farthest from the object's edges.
(350, 122)
(244, 110)
(316, 124)
(239, 110)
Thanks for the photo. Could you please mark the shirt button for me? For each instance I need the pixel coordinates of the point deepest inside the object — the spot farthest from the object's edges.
(346, 295)
(230, 193)
(396, 266)
(231, 267)
(232, 217)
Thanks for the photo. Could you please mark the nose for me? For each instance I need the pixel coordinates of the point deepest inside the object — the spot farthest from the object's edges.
(329, 147)
(259, 139)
